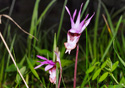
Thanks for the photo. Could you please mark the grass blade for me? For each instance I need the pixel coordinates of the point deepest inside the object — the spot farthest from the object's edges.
(84, 8)
(111, 41)
(95, 28)
(61, 20)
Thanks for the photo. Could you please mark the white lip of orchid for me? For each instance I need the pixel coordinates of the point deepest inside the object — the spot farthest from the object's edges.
(72, 41)
(68, 51)
(52, 77)
(69, 47)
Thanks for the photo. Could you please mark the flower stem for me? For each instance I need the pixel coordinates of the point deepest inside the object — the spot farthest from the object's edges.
(60, 78)
(75, 71)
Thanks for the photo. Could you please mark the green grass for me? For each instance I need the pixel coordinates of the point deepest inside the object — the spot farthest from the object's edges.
(101, 59)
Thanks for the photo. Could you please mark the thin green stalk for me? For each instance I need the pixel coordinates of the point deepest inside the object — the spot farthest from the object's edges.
(45, 11)
(8, 59)
(13, 59)
(61, 20)
(54, 48)
(4, 9)
(96, 28)
(109, 19)
(84, 8)
(114, 78)
(10, 12)
(111, 41)
(86, 50)
(2, 68)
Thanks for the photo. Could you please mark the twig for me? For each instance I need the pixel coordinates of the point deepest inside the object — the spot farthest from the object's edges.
(13, 59)
(4, 15)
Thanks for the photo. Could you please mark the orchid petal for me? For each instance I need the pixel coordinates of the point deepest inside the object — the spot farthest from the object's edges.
(41, 57)
(51, 62)
(72, 22)
(52, 77)
(58, 56)
(82, 23)
(68, 51)
(48, 67)
(87, 23)
(38, 66)
(78, 18)
(74, 14)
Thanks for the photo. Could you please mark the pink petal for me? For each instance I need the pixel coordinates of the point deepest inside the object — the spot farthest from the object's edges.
(72, 22)
(84, 20)
(38, 66)
(48, 67)
(78, 18)
(42, 63)
(51, 62)
(74, 14)
(41, 57)
(87, 23)
(58, 58)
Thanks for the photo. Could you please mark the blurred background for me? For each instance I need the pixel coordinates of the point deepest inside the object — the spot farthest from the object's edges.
(95, 43)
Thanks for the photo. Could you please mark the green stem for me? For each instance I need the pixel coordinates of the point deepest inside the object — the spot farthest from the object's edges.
(114, 78)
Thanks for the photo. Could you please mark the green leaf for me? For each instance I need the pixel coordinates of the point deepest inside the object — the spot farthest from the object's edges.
(109, 63)
(84, 8)
(90, 69)
(61, 20)
(34, 18)
(121, 60)
(104, 64)
(115, 86)
(122, 81)
(32, 68)
(49, 6)
(44, 52)
(12, 68)
(103, 76)
(111, 41)
(114, 66)
(54, 48)
(18, 78)
(66, 62)
(96, 74)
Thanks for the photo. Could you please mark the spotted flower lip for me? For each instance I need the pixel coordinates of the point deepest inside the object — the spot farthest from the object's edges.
(51, 66)
(77, 28)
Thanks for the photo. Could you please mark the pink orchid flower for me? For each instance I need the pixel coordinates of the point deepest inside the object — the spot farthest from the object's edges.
(77, 28)
(51, 67)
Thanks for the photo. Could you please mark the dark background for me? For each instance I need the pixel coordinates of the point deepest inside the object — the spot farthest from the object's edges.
(22, 11)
